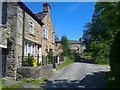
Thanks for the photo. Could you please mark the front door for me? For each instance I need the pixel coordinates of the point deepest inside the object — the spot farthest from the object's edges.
(4, 57)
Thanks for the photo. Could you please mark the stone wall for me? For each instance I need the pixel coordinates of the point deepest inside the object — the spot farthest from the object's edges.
(34, 72)
(15, 33)
(48, 42)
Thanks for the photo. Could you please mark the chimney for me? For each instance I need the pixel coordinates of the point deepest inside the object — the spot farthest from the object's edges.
(46, 7)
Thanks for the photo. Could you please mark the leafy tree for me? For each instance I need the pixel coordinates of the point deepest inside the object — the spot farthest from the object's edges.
(86, 34)
(115, 55)
(65, 45)
(105, 24)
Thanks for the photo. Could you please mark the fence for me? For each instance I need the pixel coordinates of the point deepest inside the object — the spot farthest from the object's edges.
(39, 60)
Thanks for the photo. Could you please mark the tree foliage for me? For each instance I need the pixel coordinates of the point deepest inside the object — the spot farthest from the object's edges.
(65, 45)
(115, 55)
(105, 24)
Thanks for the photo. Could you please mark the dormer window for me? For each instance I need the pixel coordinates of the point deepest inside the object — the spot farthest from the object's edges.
(31, 27)
(45, 30)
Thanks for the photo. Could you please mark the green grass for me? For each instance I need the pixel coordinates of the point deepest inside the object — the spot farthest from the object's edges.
(112, 82)
(32, 81)
(66, 63)
(0, 83)
(18, 85)
(22, 81)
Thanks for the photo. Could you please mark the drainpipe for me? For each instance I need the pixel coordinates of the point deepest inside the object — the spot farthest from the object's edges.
(1, 39)
(23, 37)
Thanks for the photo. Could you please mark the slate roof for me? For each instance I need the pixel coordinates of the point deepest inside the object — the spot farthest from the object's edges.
(57, 40)
(27, 10)
(41, 15)
(75, 42)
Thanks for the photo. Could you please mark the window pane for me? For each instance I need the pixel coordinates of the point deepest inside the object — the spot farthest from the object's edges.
(29, 48)
(32, 51)
(25, 48)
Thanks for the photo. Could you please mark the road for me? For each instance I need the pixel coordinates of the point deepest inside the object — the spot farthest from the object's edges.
(78, 75)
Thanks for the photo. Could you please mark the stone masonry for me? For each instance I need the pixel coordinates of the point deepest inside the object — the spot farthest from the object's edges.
(17, 13)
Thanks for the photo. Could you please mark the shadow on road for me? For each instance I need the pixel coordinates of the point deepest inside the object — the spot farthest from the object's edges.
(95, 80)
(89, 61)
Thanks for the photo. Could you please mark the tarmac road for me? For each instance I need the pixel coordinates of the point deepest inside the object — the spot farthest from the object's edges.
(78, 75)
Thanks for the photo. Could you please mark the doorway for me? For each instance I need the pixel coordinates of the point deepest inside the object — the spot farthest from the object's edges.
(4, 58)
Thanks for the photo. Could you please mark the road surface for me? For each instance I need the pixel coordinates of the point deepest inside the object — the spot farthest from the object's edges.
(78, 75)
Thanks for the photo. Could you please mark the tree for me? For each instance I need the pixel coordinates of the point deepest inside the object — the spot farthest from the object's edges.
(65, 45)
(105, 24)
(115, 55)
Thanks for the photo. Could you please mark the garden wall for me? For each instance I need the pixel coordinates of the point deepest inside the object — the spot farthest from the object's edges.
(34, 72)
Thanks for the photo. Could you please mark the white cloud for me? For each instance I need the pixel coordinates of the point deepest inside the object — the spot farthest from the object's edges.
(73, 7)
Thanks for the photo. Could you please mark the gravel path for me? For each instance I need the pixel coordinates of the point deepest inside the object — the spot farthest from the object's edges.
(78, 75)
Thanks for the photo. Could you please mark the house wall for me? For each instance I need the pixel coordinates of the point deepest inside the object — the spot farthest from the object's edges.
(15, 19)
(15, 35)
(12, 40)
(58, 49)
(75, 46)
(48, 42)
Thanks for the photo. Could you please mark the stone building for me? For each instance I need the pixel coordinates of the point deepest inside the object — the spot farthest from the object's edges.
(58, 46)
(27, 33)
(75, 45)
(49, 34)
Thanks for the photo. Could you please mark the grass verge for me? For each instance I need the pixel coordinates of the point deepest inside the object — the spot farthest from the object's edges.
(22, 81)
(67, 62)
(32, 81)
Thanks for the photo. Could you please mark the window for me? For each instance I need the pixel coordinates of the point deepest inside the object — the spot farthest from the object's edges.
(53, 37)
(29, 48)
(25, 48)
(31, 27)
(45, 32)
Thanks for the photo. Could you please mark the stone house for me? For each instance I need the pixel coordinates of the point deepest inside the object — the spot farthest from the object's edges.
(27, 33)
(58, 46)
(49, 34)
(75, 45)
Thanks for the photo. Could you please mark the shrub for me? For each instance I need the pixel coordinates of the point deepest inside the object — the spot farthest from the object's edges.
(50, 57)
(115, 55)
(86, 55)
(34, 62)
(77, 57)
(30, 61)
(71, 55)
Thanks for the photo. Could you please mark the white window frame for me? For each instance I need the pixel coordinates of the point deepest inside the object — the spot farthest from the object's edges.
(45, 30)
(29, 48)
(31, 24)
(53, 37)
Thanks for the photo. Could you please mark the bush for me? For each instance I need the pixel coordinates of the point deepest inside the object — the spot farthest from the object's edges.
(71, 55)
(115, 55)
(101, 52)
(86, 55)
(50, 57)
(30, 61)
(77, 57)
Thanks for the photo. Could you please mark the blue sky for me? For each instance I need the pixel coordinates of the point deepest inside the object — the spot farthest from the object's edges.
(68, 18)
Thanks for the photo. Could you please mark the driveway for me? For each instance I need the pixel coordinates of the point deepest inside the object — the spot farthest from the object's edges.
(78, 75)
